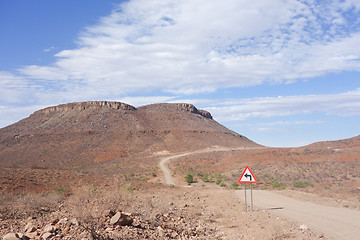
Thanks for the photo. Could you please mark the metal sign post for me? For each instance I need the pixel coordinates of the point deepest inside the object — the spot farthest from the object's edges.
(252, 209)
(245, 199)
(248, 177)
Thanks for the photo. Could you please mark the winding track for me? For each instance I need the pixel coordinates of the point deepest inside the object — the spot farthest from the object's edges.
(165, 161)
(335, 223)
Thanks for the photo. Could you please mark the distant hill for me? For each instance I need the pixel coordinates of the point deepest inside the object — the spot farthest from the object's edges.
(74, 135)
(338, 144)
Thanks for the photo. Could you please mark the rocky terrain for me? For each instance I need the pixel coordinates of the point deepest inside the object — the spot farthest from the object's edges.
(90, 170)
(76, 135)
(147, 212)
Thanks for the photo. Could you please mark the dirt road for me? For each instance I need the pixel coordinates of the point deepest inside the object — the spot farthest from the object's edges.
(165, 161)
(164, 168)
(334, 223)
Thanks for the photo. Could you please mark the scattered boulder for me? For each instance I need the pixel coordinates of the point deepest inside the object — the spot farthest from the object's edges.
(63, 222)
(74, 222)
(11, 236)
(47, 235)
(304, 227)
(49, 229)
(15, 236)
(121, 219)
(29, 228)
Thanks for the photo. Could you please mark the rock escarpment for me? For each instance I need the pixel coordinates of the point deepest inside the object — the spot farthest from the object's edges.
(92, 105)
(96, 105)
(191, 108)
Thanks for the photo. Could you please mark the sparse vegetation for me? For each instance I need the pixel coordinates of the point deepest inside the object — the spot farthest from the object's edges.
(189, 178)
(61, 191)
(205, 177)
(303, 184)
(278, 185)
(235, 186)
(128, 187)
(93, 188)
(109, 183)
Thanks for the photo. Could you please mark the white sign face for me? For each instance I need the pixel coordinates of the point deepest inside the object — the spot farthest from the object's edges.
(247, 176)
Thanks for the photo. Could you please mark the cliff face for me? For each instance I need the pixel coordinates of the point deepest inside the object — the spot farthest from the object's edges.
(191, 108)
(96, 105)
(92, 105)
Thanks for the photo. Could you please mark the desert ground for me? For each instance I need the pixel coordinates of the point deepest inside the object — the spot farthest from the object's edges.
(164, 206)
(107, 170)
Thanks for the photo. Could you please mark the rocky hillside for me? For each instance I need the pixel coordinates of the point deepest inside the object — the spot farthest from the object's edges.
(75, 135)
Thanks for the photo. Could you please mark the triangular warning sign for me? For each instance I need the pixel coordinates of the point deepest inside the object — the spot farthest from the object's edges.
(247, 176)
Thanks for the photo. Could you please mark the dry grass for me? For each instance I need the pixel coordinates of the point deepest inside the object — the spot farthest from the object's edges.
(29, 205)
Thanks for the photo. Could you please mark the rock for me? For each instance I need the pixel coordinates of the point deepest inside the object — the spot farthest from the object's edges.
(191, 108)
(62, 222)
(29, 228)
(15, 236)
(33, 235)
(121, 219)
(55, 221)
(74, 221)
(47, 235)
(49, 228)
(304, 227)
(160, 231)
(109, 213)
(11, 236)
(66, 229)
(92, 105)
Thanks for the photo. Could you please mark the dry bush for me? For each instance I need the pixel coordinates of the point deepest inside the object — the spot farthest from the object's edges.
(23, 206)
(91, 207)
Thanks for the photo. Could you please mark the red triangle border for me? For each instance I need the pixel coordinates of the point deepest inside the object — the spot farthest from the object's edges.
(247, 167)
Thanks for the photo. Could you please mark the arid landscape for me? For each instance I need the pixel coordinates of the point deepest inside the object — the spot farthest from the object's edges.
(108, 170)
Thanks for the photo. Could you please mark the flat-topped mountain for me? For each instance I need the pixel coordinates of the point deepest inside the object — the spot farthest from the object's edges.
(78, 134)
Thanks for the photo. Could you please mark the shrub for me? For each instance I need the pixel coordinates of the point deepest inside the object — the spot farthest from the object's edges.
(302, 184)
(205, 177)
(278, 185)
(235, 186)
(128, 187)
(64, 191)
(93, 188)
(218, 181)
(189, 178)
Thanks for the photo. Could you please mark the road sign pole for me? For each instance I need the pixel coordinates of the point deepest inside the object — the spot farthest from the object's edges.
(252, 209)
(245, 199)
(248, 177)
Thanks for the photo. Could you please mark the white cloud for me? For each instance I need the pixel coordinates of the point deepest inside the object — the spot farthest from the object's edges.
(180, 48)
(13, 89)
(9, 114)
(141, 101)
(187, 47)
(49, 49)
(343, 104)
(290, 123)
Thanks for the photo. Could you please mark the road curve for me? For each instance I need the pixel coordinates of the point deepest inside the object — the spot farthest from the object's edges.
(333, 222)
(165, 161)
(164, 168)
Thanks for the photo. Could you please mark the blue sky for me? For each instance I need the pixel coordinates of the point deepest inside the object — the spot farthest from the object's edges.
(281, 72)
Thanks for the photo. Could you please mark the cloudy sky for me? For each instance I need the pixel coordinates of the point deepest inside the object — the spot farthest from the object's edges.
(281, 72)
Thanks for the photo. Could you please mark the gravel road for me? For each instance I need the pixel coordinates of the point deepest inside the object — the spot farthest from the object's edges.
(333, 222)
(165, 161)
